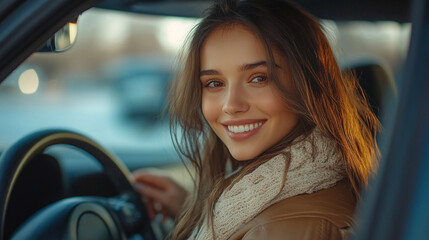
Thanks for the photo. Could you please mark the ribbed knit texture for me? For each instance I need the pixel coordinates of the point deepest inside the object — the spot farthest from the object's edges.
(315, 164)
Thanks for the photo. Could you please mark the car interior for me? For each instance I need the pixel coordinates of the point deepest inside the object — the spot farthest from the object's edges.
(51, 177)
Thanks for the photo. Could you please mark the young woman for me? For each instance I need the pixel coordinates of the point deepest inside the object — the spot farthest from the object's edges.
(280, 139)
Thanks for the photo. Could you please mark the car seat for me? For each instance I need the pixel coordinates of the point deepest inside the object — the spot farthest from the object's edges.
(377, 83)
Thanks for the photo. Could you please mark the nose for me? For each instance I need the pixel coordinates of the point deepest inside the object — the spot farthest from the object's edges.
(235, 101)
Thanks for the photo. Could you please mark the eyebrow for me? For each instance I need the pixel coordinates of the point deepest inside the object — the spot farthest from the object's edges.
(250, 66)
(242, 68)
(208, 72)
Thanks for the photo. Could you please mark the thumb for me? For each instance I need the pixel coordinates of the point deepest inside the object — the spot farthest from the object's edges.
(150, 192)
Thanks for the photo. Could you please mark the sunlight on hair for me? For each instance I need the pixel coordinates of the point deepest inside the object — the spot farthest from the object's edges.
(28, 81)
(172, 32)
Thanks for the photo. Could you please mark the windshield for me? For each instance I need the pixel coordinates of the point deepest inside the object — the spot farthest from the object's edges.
(112, 84)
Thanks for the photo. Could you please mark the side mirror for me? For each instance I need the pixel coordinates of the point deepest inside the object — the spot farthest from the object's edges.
(62, 40)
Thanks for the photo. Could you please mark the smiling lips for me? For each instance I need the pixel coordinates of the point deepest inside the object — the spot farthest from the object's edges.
(244, 129)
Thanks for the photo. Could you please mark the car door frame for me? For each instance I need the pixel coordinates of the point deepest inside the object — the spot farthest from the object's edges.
(26, 25)
(395, 205)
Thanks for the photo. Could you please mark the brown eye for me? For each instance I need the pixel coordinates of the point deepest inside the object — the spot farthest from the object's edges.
(213, 84)
(258, 79)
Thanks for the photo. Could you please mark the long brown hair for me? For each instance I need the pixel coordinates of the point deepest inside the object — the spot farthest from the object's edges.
(323, 97)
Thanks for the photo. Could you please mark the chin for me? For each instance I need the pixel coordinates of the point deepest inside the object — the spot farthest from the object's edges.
(243, 156)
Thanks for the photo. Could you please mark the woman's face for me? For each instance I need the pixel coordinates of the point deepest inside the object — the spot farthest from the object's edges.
(240, 103)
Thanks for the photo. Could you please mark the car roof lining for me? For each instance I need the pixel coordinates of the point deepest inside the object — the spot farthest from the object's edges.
(339, 10)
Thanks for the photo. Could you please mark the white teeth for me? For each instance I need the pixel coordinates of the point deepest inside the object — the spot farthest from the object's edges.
(244, 128)
(241, 128)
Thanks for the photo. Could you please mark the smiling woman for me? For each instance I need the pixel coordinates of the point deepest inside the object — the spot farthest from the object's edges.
(271, 125)
(240, 103)
(259, 196)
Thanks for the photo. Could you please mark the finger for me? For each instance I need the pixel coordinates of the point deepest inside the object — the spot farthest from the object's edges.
(150, 172)
(157, 206)
(152, 179)
(151, 192)
(150, 209)
(166, 215)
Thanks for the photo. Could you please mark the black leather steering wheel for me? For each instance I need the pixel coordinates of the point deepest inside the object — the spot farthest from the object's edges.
(74, 218)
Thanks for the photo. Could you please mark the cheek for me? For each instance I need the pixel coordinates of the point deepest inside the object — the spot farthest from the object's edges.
(283, 117)
(210, 108)
(269, 100)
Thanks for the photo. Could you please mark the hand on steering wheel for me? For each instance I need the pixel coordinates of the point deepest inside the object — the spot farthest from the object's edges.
(160, 193)
(71, 218)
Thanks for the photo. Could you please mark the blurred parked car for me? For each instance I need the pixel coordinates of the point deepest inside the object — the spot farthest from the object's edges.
(141, 86)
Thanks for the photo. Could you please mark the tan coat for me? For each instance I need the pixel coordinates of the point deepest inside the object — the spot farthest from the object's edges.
(326, 214)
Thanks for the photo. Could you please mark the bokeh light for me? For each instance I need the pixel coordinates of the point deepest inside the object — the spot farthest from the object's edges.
(28, 81)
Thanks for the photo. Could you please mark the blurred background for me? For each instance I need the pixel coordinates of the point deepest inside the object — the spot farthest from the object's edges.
(112, 84)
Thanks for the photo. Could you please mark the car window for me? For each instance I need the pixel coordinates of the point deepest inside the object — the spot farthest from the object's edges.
(112, 84)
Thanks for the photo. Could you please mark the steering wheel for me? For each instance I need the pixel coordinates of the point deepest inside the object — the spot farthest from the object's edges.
(75, 218)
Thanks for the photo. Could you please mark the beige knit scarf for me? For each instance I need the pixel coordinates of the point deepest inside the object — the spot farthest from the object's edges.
(315, 164)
